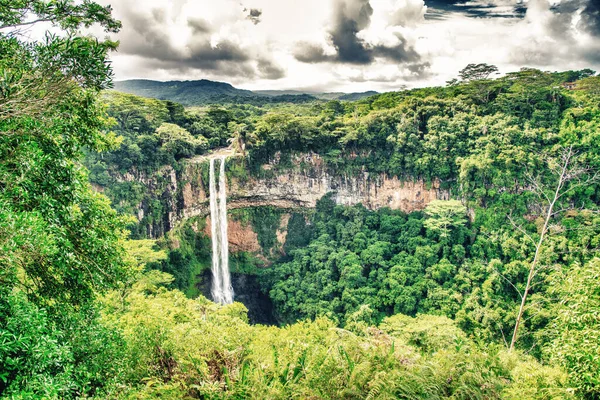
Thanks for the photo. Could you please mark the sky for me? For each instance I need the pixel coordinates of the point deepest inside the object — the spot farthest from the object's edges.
(349, 45)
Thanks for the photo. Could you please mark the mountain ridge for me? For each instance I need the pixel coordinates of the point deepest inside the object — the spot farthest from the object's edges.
(204, 91)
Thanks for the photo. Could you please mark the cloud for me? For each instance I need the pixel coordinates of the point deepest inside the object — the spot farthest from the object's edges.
(351, 16)
(401, 52)
(148, 39)
(199, 25)
(253, 15)
(590, 16)
(409, 13)
(565, 33)
(445, 9)
(311, 53)
(179, 41)
(270, 70)
(351, 43)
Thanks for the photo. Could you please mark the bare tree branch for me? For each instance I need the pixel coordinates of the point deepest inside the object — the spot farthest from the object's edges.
(570, 176)
(511, 284)
(532, 269)
(520, 229)
(21, 24)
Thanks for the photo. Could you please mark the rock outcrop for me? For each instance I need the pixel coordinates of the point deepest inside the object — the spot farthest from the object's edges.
(303, 187)
(241, 236)
(182, 194)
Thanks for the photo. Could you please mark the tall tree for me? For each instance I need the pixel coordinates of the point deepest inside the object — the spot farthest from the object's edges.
(59, 239)
(474, 72)
(443, 215)
(479, 85)
(568, 175)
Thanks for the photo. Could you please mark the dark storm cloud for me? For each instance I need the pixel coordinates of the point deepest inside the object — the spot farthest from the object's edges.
(142, 38)
(401, 52)
(443, 9)
(203, 55)
(590, 14)
(311, 53)
(351, 17)
(419, 69)
(253, 15)
(269, 70)
(146, 36)
(589, 22)
(590, 17)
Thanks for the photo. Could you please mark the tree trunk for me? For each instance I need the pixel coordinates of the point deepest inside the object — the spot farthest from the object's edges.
(534, 263)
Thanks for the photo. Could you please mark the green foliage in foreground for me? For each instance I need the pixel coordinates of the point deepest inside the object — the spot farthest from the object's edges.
(576, 344)
(152, 342)
(59, 240)
(182, 348)
(49, 356)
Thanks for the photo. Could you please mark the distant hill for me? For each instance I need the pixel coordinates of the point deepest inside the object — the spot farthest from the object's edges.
(357, 96)
(322, 96)
(193, 93)
(185, 92)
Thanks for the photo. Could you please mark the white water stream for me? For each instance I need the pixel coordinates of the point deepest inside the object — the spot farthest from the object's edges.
(222, 291)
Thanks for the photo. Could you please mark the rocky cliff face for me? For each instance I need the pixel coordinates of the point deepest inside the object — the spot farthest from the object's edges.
(242, 237)
(182, 194)
(302, 187)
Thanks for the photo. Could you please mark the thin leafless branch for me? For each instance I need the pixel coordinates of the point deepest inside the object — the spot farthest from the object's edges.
(21, 24)
(520, 228)
(511, 284)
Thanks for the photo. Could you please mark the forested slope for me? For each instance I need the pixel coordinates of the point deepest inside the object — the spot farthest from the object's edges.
(494, 144)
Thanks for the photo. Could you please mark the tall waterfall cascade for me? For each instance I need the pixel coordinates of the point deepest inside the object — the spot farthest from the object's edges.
(222, 291)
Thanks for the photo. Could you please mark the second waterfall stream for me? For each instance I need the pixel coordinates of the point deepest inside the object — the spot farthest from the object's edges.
(222, 291)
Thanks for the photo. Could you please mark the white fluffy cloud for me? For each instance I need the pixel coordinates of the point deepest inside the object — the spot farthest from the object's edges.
(350, 45)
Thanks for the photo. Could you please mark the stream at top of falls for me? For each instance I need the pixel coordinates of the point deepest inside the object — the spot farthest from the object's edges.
(222, 290)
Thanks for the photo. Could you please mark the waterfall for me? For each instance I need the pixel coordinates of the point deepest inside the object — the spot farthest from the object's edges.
(222, 291)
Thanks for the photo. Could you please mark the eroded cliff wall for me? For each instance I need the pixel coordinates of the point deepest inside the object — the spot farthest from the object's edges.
(307, 182)
(299, 184)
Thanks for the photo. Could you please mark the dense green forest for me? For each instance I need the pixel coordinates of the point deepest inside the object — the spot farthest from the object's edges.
(493, 294)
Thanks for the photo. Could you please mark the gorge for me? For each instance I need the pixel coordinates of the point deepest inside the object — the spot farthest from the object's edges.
(354, 211)
(286, 189)
(306, 178)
